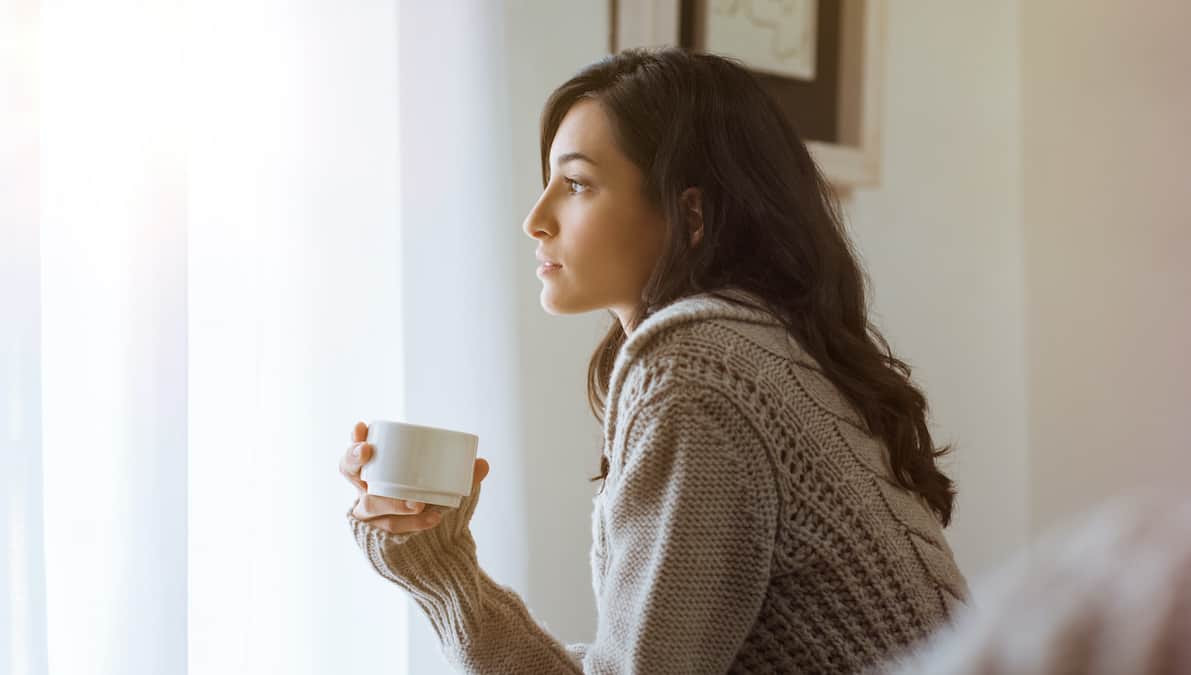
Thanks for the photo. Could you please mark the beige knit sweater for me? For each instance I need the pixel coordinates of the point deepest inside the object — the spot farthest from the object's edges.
(748, 524)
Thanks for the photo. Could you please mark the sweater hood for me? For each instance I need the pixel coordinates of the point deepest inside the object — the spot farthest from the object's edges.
(721, 304)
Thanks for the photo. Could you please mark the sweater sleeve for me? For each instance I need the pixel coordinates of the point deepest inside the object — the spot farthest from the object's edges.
(691, 517)
(482, 627)
(691, 520)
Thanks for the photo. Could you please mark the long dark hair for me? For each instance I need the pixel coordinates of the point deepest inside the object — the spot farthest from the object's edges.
(771, 226)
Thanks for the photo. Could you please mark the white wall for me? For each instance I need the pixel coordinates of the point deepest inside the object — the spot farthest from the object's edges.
(1107, 98)
(459, 295)
(941, 238)
(546, 43)
(479, 352)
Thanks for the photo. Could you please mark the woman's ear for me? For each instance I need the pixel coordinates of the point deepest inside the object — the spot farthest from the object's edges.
(692, 203)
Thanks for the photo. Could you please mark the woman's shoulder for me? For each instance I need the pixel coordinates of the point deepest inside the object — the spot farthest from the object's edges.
(725, 341)
(711, 341)
(693, 329)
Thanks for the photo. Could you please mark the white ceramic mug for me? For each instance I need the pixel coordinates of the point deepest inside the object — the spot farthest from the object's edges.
(417, 463)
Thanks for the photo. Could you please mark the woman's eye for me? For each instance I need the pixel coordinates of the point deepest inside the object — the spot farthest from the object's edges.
(572, 183)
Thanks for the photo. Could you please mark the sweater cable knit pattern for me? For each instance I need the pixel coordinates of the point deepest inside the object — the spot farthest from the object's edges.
(748, 523)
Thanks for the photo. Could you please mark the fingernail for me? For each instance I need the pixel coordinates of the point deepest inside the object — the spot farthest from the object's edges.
(411, 504)
(356, 452)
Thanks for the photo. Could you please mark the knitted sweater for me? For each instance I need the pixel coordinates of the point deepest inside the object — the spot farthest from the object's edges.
(747, 524)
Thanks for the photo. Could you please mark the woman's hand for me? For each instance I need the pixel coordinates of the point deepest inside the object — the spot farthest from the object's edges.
(391, 515)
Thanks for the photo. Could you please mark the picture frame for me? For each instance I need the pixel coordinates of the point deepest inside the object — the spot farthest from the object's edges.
(837, 112)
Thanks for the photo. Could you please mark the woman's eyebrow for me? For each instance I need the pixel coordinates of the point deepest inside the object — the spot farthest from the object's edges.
(567, 157)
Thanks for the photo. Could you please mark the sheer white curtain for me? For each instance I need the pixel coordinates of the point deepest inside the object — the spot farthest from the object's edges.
(295, 328)
(22, 586)
(113, 337)
(224, 243)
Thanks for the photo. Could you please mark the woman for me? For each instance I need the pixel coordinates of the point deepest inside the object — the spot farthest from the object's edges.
(770, 498)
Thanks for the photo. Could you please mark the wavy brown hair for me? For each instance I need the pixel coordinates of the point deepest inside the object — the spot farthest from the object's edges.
(771, 226)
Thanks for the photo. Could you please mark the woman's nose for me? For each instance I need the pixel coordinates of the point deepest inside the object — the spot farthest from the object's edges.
(535, 231)
(537, 223)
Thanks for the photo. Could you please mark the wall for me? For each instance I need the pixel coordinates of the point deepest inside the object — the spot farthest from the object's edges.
(546, 43)
(941, 239)
(1106, 100)
(481, 354)
(460, 240)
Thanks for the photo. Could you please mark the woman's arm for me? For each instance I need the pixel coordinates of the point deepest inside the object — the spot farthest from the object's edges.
(691, 514)
(483, 627)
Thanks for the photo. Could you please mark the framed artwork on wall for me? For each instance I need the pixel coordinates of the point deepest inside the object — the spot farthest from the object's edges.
(821, 60)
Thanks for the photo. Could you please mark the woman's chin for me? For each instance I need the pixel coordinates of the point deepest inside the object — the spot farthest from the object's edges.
(556, 303)
(550, 302)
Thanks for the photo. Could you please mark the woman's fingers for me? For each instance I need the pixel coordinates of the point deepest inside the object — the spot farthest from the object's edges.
(357, 455)
(479, 473)
(406, 524)
(395, 516)
(374, 506)
(352, 461)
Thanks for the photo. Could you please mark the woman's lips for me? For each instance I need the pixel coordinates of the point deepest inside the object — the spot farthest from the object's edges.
(545, 264)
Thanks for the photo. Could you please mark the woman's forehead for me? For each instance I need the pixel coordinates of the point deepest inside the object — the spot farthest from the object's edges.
(583, 133)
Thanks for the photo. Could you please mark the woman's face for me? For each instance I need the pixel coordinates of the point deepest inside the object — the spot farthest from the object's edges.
(593, 221)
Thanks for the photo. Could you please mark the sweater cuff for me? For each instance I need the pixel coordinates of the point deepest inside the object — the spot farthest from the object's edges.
(473, 616)
(438, 567)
